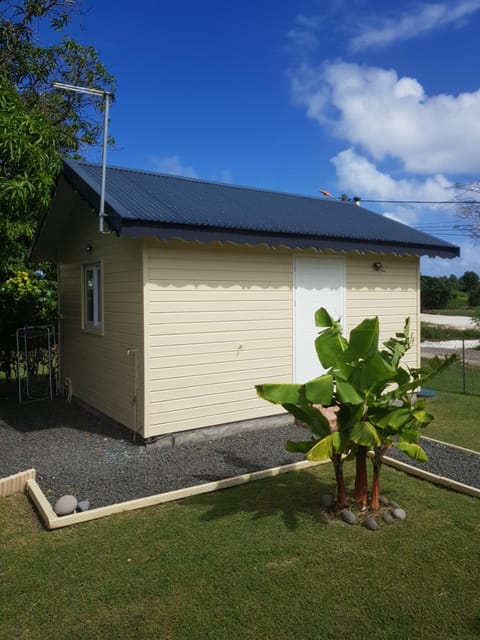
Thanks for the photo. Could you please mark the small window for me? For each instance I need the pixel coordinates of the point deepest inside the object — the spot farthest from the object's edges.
(92, 297)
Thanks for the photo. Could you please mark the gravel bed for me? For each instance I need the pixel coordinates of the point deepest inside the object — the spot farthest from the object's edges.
(445, 461)
(94, 459)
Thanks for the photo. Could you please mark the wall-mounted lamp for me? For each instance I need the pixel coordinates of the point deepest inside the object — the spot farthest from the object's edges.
(88, 248)
(378, 266)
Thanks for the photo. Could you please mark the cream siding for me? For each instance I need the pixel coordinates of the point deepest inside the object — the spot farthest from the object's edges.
(101, 371)
(392, 294)
(219, 322)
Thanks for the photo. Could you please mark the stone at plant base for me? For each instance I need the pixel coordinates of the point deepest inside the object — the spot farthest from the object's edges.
(394, 505)
(384, 501)
(83, 505)
(399, 513)
(65, 505)
(371, 523)
(348, 517)
(327, 500)
(388, 518)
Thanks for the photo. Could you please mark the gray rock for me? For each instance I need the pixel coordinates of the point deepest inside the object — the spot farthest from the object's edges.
(348, 517)
(399, 513)
(371, 523)
(65, 505)
(327, 500)
(388, 518)
(394, 505)
(83, 505)
(384, 501)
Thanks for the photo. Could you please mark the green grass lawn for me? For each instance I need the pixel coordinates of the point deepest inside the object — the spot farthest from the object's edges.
(457, 419)
(256, 562)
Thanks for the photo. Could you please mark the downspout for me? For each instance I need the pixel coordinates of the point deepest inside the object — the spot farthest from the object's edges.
(134, 352)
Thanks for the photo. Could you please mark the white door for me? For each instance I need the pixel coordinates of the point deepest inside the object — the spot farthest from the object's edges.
(319, 282)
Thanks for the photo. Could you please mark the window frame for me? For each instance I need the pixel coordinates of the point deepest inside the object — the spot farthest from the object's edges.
(95, 325)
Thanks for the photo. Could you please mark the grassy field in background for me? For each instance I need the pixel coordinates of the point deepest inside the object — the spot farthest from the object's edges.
(453, 379)
(256, 562)
(440, 332)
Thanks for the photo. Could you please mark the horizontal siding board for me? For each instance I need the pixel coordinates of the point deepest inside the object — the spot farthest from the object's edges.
(180, 339)
(213, 410)
(186, 393)
(178, 404)
(242, 378)
(227, 347)
(197, 326)
(244, 308)
(190, 284)
(246, 356)
(157, 294)
(219, 316)
(161, 372)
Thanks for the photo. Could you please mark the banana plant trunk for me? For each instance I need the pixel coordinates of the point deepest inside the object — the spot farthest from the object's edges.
(340, 480)
(377, 465)
(361, 496)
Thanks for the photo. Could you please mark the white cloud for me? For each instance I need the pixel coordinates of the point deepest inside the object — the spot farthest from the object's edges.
(413, 23)
(304, 35)
(392, 117)
(357, 173)
(358, 176)
(172, 165)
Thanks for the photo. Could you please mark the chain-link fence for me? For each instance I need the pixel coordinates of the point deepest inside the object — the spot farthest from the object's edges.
(464, 375)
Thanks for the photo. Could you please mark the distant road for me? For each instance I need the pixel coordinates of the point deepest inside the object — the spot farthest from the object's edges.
(458, 322)
(430, 348)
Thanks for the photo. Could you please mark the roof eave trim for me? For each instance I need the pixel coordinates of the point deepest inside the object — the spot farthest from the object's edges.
(191, 234)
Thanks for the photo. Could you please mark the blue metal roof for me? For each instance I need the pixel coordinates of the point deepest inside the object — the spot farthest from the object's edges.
(141, 203)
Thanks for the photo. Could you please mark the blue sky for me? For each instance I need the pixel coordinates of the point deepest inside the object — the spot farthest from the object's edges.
(373, 99)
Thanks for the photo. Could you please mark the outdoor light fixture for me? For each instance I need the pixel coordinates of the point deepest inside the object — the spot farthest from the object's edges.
(107, 97)
(88, 248)
(378, 266)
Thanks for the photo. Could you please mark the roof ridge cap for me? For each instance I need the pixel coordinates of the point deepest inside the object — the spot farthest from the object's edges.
(230, 185)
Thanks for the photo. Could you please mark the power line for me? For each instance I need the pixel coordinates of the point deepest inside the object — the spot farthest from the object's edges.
(422, 201)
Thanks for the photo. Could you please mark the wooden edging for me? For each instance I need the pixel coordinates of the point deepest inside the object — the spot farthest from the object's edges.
(432, 477)
(52, 521)
(15, 483)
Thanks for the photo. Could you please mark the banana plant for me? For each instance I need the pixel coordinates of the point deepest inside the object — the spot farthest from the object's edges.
(364, 402)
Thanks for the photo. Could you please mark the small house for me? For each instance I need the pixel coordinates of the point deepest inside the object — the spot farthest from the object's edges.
(196, 291)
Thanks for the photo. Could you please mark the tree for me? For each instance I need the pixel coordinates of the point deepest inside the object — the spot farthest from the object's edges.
(435, 292)
(30, 162)
(468, 197)
(37, 125)
(364, 402)
(32, 68)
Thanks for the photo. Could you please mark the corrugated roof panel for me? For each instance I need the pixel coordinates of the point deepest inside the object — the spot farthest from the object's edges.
(161, 199)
